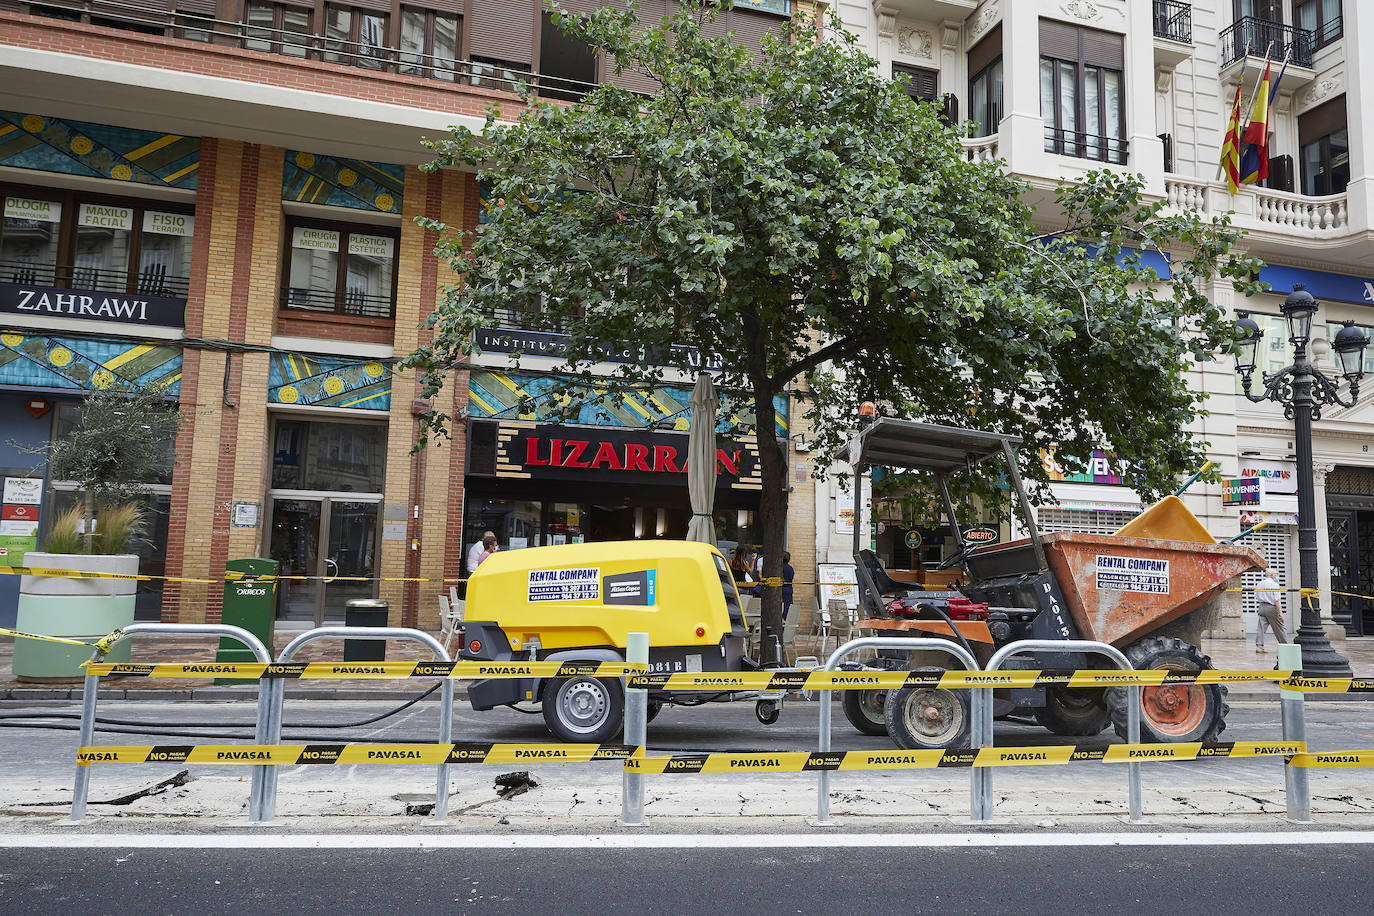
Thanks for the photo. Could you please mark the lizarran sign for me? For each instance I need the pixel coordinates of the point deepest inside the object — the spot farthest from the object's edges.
(92, 305)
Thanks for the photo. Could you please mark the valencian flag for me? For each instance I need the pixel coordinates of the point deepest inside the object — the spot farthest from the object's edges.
(1230, 147)
(1254, 158)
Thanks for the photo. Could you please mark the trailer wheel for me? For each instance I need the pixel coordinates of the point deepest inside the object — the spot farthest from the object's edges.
(583, 709)
(928, 717)
(655, 707)
(864, 710)
(767, 711)
(1175, 712)
(1075, 711)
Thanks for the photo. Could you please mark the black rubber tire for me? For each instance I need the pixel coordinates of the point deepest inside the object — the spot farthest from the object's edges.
(1074, 711)
(767, 711)
(584, 710)
(911, 731)
(864, 710)
(1205, 707)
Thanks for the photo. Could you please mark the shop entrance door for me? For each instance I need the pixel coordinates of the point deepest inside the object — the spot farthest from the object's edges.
(329, 541)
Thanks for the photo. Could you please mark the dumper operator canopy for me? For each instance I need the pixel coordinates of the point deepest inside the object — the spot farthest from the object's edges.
(893, 443)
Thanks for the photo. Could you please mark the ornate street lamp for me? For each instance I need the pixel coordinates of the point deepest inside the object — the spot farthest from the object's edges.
(1303, 390)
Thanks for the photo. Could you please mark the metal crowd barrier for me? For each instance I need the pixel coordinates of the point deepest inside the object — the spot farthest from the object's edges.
(92, 688)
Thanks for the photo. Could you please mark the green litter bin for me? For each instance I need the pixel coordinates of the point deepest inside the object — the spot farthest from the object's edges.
(250, 602)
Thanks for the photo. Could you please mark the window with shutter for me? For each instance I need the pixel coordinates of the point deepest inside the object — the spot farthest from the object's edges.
(1081, 92)
(921, 83)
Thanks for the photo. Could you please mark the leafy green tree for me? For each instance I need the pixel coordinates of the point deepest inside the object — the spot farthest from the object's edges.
(802, 221)
(120, 438)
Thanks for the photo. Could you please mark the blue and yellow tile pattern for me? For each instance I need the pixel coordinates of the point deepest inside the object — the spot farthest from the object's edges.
(31, 141)
(506, 396)
(294, 378)
(314, 179)
(30, 360)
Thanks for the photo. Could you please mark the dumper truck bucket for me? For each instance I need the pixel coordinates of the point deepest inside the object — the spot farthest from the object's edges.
(1167, 520)
(1121, 588)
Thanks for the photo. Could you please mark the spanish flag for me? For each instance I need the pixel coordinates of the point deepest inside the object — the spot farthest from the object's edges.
(1254, 165)
(1230, 147)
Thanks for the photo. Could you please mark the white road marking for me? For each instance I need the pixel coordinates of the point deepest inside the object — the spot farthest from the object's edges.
(672, 841)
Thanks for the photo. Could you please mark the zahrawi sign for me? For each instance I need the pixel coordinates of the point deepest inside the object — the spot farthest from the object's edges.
(584, 453)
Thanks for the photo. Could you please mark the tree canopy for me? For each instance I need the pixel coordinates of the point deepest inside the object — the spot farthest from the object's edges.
(799, 220)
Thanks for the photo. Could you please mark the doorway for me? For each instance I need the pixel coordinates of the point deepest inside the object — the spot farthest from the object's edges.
(332, 543)
(1351, 534)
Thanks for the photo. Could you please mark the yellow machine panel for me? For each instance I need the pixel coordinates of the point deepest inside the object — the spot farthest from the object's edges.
(578, 595)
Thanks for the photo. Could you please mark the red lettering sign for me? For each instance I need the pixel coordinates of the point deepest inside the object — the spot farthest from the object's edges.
(635, 456)
(665, 459)
(607, 455)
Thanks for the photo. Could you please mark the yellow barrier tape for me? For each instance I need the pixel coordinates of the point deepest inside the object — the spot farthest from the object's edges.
(1334, 759)
(19, 634)
(888, 680)
(348, 754)
(1047, 755)
(248, 671)
(83, 574)
(1329, 684)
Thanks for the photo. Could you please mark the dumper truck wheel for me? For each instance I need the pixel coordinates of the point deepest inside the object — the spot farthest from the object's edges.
(1175, 712)
(1076, 711)
(864, 710)
(584, 710)
(928, 717)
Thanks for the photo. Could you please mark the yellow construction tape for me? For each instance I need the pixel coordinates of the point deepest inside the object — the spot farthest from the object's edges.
(1045, 755)
(83, 574)
(250, 671)
(888, 680)
(18, 634)
(1334, 759)
(347, 754)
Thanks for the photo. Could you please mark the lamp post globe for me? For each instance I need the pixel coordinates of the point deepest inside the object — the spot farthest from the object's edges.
(1350, 345)
(1298, 310)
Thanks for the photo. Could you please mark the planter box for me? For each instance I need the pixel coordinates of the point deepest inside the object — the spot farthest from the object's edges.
(84, 609)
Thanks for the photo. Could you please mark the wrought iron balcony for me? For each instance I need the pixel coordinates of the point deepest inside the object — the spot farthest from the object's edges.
(1257, 37)
(1174, 21)
(1085, 146)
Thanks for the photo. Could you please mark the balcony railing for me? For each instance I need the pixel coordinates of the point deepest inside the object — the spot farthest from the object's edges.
(1086, 146)
(1174, 21)
(152, 280)
(980, 149)
(309, 46)
(1250, 35)
(1272, 209)
(1329, 31)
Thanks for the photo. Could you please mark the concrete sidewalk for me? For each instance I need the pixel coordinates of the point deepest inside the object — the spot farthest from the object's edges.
(1227, 654)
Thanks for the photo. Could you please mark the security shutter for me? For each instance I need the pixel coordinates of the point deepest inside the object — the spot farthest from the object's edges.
(986, 51)
(503, 30)
(1099, 49)
(1058, 40)
(750, 26)
(1096, 521)
(1103, 49)
(1271, 543)
(922, 84)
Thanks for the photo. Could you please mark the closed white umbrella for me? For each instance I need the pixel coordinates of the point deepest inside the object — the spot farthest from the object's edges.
(701, 461)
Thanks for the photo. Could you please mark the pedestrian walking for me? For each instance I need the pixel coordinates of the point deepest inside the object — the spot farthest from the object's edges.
(1268, 598)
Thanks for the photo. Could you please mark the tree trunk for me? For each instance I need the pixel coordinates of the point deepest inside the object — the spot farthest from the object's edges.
(88, 520)
(773, 498)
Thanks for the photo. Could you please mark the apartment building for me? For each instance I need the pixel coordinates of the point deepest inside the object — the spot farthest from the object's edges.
(220, 197)
(1057, 87)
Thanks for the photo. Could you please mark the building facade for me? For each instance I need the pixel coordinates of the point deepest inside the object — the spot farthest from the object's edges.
(1145, 86)
(219, 198)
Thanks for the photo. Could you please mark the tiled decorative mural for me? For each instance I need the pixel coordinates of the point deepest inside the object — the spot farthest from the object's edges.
(86, 363)
(507, 396)
(294, 378)
(31, 141)
(315, 179)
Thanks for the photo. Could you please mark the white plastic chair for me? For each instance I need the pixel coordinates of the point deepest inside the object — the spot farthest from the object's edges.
(450, 617)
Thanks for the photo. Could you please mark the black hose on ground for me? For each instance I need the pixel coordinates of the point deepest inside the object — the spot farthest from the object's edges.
(105, 720)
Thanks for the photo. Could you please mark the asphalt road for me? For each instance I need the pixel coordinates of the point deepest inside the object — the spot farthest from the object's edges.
(1027, 879)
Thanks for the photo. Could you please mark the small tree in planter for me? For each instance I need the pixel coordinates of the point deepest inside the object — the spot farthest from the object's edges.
(119, 440)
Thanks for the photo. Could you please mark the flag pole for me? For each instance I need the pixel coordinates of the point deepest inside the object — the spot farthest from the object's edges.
(1244, 63)
(1250, 106)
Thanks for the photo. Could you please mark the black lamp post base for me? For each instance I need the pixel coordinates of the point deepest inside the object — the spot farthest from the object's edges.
(1318, 658)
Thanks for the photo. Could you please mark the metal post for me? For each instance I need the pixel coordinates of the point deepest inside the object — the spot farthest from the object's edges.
(1296, 790)
(276, 700)
(636, 733)
(92, 685)
(982, 801)
(1319, 658)
(83, 773)
(854, 645)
